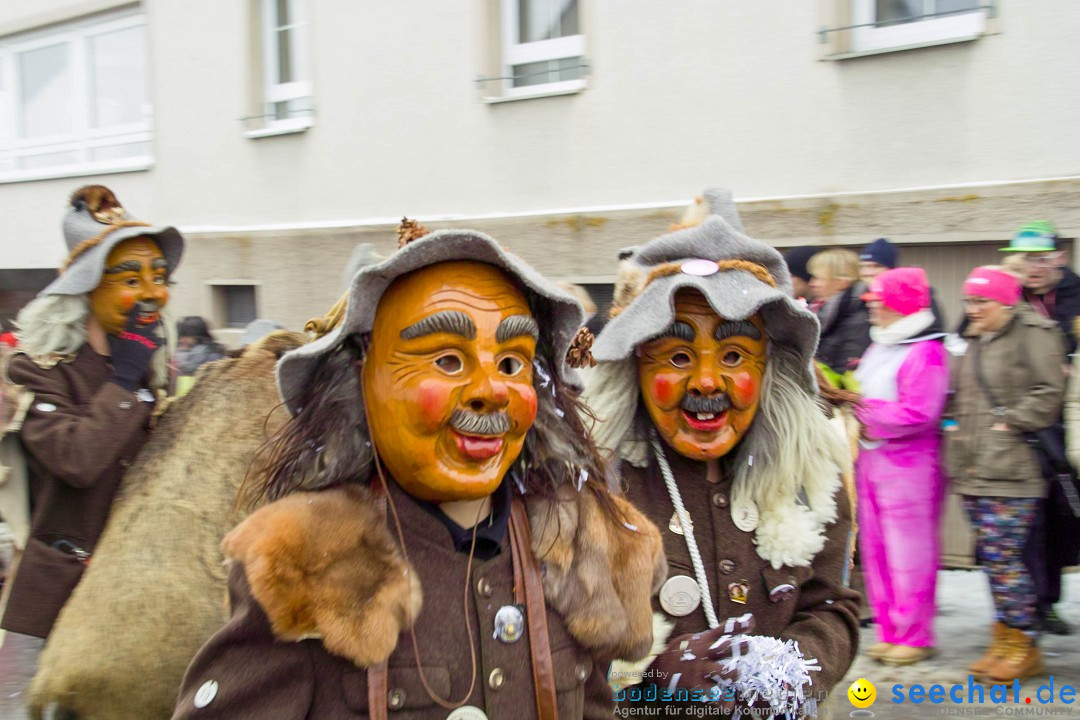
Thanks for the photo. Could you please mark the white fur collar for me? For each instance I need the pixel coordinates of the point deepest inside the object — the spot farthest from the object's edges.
(906, 328)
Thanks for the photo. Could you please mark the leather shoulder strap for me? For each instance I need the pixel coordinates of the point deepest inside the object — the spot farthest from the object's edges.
(377, 688)
(527, 582)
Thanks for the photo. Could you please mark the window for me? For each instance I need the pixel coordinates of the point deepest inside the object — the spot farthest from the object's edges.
(234, 306)
(75, 100)
(543, 47)
(287, 101)
(894, 24)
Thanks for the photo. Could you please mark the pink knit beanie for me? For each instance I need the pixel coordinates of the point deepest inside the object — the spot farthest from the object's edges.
(993, 284)
(904, 290)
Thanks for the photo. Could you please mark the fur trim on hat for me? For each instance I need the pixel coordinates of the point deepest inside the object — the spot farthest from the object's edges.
(309, 557)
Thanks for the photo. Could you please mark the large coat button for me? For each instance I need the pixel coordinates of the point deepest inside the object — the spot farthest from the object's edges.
(496, 678)
(206, 693)
(395, 699)
(720, 500)
(582, 672)
(483, 586)
(727, 566)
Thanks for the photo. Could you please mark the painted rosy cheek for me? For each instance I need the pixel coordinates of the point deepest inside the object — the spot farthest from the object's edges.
(127, 302)
(745, 388)
(433, 398)
(664, 389)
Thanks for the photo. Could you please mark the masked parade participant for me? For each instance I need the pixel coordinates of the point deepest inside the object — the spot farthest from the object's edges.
(705, 391)
(439, 541)
(90, 363)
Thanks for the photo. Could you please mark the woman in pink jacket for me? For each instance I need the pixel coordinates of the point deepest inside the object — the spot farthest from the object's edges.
(903, 379)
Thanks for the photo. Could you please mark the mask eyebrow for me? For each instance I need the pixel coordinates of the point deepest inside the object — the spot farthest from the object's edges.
(737, 328)
(516, 326)
(678, 330)
(126, 266)
(160, 264)
(453, 322)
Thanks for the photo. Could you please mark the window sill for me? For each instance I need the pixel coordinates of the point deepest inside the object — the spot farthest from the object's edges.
(900, 48)
(109, 168)
(569, 87)
(285, 127)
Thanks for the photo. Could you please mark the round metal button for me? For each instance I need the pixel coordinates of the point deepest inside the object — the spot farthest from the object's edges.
(483, 587)
(582, 672)
(206, 693)
(720, 500)
(509, 623)
(496, 679)
(727, 566)
(395, 699)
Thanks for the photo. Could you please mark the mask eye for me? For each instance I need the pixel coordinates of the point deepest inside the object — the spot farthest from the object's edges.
(449, 364)
(731, 359)
(510, 366)
(161, 280)
(132, 282)
(680, 360)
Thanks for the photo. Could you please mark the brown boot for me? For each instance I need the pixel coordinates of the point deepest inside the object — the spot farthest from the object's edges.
(1020, 660)
(994, 652)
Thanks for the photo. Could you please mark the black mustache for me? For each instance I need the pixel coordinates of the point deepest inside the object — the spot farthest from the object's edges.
(472, 423)
(714, 404)
(147, 307)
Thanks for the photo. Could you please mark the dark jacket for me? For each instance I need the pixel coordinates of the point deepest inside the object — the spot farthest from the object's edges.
(80, 433)
(1022, 365)
(845, 330)
(1062, 305)
(821, 613)
(261, 665)
(188, 360)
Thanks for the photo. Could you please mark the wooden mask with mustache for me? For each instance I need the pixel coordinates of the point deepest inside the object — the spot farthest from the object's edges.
(700, 378)
(451, 342)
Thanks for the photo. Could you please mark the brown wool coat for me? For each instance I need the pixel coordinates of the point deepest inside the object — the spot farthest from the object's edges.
(80, 433)
(298, 641)
(821, 614)
(1023, 367)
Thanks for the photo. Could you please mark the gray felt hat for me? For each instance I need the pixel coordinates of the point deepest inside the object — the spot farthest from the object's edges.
(733, 293)
(93, 210)
(559, 315)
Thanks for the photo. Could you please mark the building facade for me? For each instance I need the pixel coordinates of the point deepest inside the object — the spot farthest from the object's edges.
(279, 133)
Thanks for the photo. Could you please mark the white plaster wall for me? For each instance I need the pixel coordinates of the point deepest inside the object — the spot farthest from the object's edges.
(682, 95)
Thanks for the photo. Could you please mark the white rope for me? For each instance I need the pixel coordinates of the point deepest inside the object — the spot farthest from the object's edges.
(688, 533)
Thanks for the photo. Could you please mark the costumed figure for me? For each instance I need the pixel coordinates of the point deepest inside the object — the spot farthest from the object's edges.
(90, 356)
(706, 394)
(155, 590)
(439, 540)
(903, 380)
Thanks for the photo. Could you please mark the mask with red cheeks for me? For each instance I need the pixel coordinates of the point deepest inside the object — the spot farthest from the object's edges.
(448, 379)
(135, 274)
(701, 378)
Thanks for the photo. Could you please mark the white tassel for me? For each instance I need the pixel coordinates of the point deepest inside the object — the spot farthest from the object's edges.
(773, 670)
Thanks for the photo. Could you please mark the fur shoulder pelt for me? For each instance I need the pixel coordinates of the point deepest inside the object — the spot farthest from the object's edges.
(323, 564)
(600, 576)
(308, 557)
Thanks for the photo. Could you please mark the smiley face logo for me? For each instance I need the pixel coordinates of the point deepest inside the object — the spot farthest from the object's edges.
(862, 693)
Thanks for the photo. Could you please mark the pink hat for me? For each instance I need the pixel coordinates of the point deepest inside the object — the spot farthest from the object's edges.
(993, 284)
(904, 290)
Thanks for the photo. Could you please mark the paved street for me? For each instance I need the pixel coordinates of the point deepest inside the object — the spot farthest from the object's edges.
(962, 627)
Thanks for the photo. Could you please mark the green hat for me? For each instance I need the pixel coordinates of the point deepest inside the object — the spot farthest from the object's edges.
(1038, 236)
